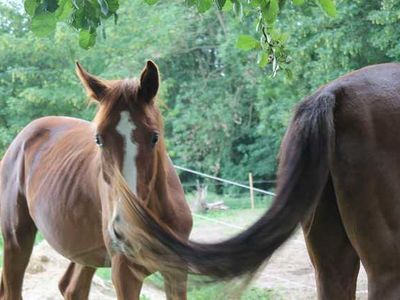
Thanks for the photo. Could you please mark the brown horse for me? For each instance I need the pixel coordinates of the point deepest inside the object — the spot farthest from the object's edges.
(55, 179)
(339, 177)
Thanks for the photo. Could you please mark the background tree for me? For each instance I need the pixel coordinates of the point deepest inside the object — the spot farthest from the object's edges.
(89, 18)
(223, 115)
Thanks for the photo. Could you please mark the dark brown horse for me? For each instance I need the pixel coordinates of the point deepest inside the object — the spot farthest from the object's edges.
(56, 179)
(339, 177)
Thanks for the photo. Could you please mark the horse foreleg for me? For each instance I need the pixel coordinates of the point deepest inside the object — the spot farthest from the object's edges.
(175, 286)
(127, 285)
(76, 281)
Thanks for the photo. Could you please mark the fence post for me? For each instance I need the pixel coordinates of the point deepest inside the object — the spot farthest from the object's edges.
(251, 190)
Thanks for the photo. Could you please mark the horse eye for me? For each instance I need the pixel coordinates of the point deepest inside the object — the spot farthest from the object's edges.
(154, 139)
(99, 140)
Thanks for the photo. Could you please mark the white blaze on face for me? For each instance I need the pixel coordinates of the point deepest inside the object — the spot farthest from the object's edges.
(125, 128)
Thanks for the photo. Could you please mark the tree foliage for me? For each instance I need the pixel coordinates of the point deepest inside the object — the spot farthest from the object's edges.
(222, 114)
(89, 16)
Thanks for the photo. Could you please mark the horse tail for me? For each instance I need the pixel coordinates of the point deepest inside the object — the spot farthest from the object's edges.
(302, 174)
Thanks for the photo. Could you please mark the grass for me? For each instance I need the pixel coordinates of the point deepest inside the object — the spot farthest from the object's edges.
(234, 202)
(218, 291)
(205, 291)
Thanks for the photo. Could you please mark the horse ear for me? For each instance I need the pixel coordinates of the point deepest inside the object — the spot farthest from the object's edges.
(95, 87)
(149, 81)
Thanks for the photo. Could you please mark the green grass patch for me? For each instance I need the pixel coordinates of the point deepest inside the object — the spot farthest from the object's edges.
(104, 273)
(233, 202)
(205, 291)
(219, 291)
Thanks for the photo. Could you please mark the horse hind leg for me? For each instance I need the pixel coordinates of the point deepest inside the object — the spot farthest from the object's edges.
(335, 261)
(76, 282)
(19, 233)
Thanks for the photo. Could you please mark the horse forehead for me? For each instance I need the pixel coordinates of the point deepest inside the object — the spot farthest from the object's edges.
(129, 168)
(125, 124)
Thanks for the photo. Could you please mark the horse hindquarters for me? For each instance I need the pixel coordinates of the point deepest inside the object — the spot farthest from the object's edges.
(334, 259)
(368, 201)
(365, 169)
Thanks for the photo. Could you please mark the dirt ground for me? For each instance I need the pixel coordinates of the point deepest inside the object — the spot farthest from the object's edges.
(45, 269)
(289, 271)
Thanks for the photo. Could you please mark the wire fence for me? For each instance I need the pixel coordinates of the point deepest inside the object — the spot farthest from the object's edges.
(224, 180)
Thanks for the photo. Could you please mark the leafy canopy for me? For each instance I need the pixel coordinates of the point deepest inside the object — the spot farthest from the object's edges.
(88, 17)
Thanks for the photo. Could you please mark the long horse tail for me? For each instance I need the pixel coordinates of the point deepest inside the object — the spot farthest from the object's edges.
(302, 174)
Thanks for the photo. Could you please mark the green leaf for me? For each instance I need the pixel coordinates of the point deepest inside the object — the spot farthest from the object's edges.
(289, 73)
(51, 5)
(87, 39)
(228, 6)
(103, 7)
(64, 10)
(298, 2)
(329, 7)
(204, 5)
(246, 42)
(220, 3)
(279, 36)
(43, 24)
(262, 59)
(30, 7)
(151, 2)
(270, 11)
(256, 3)
(113, 5)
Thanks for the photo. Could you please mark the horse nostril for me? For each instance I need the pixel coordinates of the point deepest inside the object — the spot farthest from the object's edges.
(118, 235)
(117, 219)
